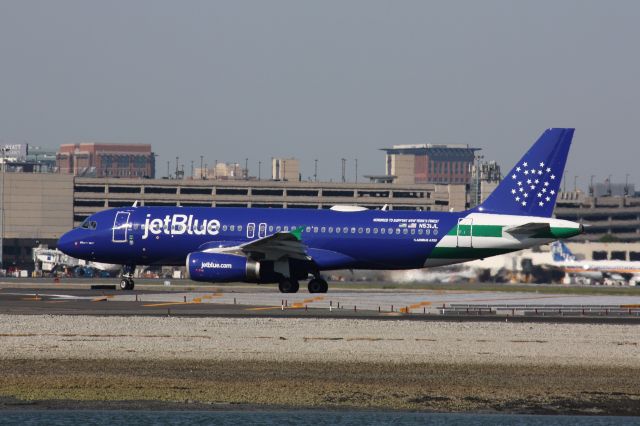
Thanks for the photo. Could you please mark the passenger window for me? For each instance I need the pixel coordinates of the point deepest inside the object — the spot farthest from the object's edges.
(315, 229)
(331, 229)
(322, 230)
(397, 231)
(232, 228)
(383, 230)
(278, 228)
(308, 229)
(427, 231)
(405, 231)
(224, 227)
(239, 228)
(435, 232)
(353, 230)
(359, 230)
(390, 230)
(345, 230)
(338, 230)
(368, 231)
(270, 228)
(413, 232)
(286, 229)
(375, 230)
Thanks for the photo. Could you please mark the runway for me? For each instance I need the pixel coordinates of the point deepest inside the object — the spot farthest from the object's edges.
(247, 301)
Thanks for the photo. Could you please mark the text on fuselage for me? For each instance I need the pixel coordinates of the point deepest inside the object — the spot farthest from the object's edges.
(180, 224)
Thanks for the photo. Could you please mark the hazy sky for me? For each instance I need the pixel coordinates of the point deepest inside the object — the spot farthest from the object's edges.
(325, 79)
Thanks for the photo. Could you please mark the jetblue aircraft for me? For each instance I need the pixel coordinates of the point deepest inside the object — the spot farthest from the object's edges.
(285, 246)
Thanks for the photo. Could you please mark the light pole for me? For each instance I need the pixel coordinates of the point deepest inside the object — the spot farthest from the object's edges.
(4, 169)
(591, 190)
(626, 184)
(478, 192)
(259, 170)
(356, 170)
(575, 183)
(201, 171)
(315, 170)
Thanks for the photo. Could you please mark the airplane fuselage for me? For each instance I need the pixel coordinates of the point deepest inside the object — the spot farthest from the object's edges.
(371, 239)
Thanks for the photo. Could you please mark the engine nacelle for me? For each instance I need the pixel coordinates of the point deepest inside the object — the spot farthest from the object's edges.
(220, 267)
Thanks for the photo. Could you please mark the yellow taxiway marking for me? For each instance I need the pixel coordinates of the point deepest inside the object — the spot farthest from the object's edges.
(37, 299)
(211, 296)
(306, 301)
(153, 305)
(296, 305)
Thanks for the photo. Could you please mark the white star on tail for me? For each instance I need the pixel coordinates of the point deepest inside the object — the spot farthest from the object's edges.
(540, 184)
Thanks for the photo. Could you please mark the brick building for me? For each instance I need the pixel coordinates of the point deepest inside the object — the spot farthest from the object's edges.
(106, 160)
(430, 163)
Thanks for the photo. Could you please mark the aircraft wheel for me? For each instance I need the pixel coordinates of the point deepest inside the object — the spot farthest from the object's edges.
(315, 286)
(126, 284)
(324, 285)
(287, 285)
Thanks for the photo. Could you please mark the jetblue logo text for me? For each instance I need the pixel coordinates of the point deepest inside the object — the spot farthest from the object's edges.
(180, 224)
(215, 265)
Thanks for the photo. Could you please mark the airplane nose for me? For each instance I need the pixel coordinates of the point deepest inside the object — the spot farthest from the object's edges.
(66, 243)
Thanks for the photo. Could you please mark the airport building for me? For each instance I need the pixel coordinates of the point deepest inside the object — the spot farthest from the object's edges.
(107, 160)
(224, 171)
(609, 218)
(39, 207)
(429, 163)
(285, 169)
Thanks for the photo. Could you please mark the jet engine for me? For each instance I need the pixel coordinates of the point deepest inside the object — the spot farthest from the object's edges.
(220, 267)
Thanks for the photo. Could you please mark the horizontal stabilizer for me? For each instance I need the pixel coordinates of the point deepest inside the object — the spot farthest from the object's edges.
(529, 229)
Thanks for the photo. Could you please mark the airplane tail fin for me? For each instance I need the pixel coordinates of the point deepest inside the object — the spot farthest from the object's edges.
(531, 187)
(561, 252)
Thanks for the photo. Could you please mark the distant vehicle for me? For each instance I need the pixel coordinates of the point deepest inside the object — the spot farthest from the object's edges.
(51, 260)
(287, 245)
(610, 272)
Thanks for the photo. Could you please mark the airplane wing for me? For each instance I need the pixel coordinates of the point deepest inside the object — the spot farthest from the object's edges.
(277, 246)
(272, 247)
(529, 229)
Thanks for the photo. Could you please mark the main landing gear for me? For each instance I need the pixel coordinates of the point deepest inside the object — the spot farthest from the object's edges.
(289, 285)
(126, 280)
(318, 285)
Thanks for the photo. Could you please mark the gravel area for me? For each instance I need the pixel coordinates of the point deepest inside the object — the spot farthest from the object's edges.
(269, 339)
(67, 362)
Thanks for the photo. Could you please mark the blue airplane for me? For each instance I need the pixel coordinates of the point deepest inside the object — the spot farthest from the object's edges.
(285, 246)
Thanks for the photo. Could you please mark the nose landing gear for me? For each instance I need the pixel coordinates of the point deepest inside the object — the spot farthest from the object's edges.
(126, 280)
(126, 284)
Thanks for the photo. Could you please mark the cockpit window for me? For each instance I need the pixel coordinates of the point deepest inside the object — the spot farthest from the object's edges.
(89, 224)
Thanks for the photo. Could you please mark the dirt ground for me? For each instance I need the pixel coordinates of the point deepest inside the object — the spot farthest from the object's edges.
(179, 384)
